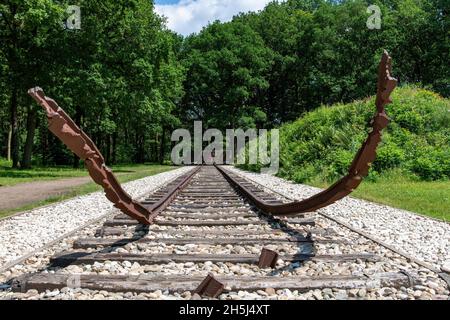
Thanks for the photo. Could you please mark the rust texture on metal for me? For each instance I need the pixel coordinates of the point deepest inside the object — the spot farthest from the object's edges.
(62, 126)
(359, 167)
(267, 259)
(210, 287)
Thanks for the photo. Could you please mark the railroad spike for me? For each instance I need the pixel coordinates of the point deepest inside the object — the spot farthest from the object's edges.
(210, 287)
(267, 259)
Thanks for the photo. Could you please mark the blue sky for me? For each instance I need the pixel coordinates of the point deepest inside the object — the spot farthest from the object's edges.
(166, 1)
(188, 16)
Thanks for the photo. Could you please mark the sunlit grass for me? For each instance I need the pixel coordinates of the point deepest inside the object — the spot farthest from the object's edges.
(430, 198)
(124, 174)
(10, 177)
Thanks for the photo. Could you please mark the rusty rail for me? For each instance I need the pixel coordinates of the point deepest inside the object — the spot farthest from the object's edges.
(162, 203)
(62, 126)
(359, 167)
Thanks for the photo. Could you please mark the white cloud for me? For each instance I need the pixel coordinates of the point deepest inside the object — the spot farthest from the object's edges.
(190, 16)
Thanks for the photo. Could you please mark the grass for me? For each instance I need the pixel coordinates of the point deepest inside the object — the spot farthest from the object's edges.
(429, 198)
(124, 174)
(10, 177)
(392, 188)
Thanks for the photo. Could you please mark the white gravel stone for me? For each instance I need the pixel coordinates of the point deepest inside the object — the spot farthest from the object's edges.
(423, 238)
(29, 231)
(446, 266)
(427, 286)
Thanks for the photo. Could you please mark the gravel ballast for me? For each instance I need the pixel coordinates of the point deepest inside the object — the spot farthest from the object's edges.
(428, 285)
(330, 238)
(26, 232)
(421, 237)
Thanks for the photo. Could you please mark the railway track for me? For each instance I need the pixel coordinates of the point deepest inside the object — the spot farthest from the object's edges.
(211, 240)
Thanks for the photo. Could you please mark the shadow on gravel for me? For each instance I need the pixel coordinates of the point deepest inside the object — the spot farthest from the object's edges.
(62, 261)
(305, 245)
(305, 249)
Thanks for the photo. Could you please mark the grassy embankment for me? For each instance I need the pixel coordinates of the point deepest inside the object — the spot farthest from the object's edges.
(412, 169)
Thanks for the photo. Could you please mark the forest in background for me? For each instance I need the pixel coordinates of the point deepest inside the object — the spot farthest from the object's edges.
(128, 81)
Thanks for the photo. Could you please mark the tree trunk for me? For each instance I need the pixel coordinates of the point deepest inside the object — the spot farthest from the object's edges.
(114, 148)
(31, 129)
(14, 129)
(152, 151)
(9, 143)
(76, 159)
(108, 149)
(141, 149)
(138, 155)
(157, 147)
(162, 145)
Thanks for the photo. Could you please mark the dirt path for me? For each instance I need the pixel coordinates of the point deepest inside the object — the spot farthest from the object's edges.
(25, 193)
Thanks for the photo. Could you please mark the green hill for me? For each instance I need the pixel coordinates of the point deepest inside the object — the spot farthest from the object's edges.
(412, 169)
(321, 145)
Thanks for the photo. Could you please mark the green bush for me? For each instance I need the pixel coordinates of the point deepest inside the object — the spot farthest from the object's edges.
(322, 144)
(434, 165)
(304, 174)
(410, 120)
(389, 156)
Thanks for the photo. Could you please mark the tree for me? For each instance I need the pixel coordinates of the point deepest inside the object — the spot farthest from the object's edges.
(119, 78)
(128, 81)
(227, 65)
(24, 28)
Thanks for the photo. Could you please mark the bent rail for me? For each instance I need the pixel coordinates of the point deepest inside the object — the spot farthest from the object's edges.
(62, 126)
(359, 167)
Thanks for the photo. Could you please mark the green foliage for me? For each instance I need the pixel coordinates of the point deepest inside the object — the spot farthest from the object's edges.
(128, 81)
(321, 145)
(227, 66)
(317, 52)
(389, 156)
(118, 76)
(304, 174)
(339, 161)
